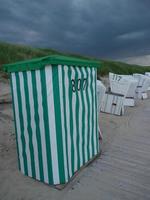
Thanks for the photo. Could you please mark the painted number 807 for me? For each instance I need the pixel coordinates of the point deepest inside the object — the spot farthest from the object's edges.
(78, 84)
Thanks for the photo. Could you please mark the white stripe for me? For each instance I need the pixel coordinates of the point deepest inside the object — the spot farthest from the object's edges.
(62, 121)
(17, 120)
(86, 118)
(90, 101)
(52, 125)
(109, 103)
(113, 106)
(117, 101)
(80, 120)
(41, 125)
(25, 123)
(68, 118)
(118, 105)
(94, 125)
(118, 110)
(33, 124)
(121, 105)
(74, 122)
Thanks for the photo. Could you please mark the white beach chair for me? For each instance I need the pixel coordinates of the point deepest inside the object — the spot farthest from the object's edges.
(143, 85)
(118, 84)
(131, 93)
(113, 103)
(125, 85)
(101, 89)
(148, 75)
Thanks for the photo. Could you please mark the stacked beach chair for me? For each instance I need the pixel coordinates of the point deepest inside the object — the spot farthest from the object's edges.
(131, 93)
(148, 75)
(101, 89)
(123, 91)
(143, 86)
(113, 101)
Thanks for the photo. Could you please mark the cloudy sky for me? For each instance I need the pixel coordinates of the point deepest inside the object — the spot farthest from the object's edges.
(103, 28)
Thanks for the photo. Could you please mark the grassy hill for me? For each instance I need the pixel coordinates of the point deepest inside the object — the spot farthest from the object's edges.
(10, 53)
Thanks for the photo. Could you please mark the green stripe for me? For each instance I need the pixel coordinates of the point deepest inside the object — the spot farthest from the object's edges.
(46, 125)
(14, 114)
(97, 136)
(21, 124)
(83, 117)
(58, 122)
(65, 117)
(38, 136)
(93, 131)
(77, 120)
(88, 110)
(71, 119)
(30, 133)
(95, 113)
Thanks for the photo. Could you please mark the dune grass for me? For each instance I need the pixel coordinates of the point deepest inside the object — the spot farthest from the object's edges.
(121, 68)
(10, 53)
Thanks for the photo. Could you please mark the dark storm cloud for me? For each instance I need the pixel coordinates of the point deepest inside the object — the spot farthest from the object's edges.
(102, 28)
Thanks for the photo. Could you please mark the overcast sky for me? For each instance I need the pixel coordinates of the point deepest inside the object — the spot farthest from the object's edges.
(101, 28)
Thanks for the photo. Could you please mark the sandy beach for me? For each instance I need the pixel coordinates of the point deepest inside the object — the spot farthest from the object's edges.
(121, 172)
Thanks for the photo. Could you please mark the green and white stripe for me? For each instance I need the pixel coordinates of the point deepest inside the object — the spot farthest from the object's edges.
(56, 127)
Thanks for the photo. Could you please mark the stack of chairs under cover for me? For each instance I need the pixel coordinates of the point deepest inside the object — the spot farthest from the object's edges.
(143, 85)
